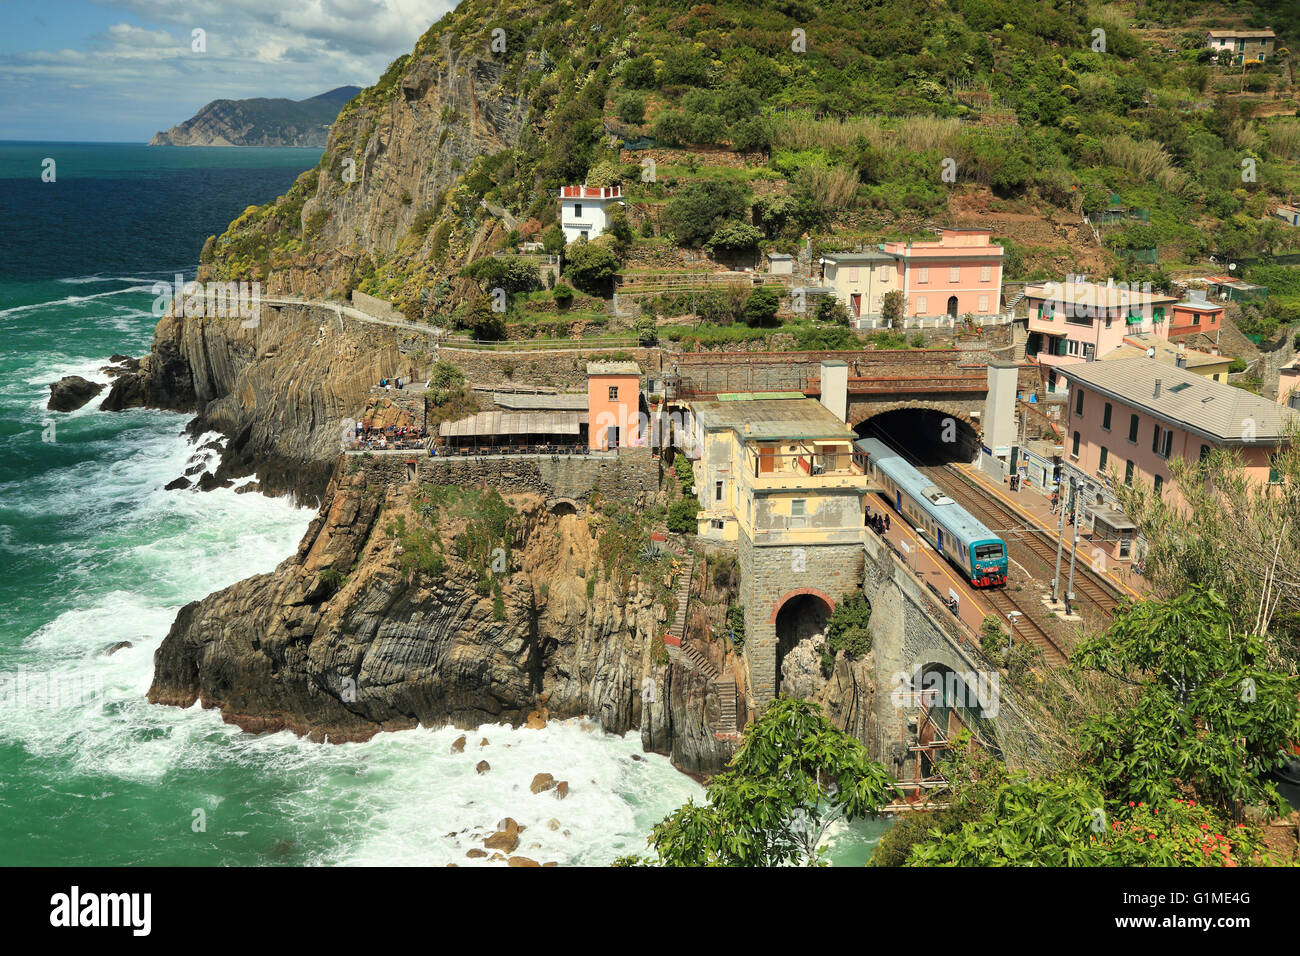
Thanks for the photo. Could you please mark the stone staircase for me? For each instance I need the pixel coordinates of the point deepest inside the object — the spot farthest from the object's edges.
(1020, 338)
(684, 652)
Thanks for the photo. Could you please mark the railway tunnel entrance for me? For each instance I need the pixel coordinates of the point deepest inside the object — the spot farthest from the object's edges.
(931, 436)
(801, 622)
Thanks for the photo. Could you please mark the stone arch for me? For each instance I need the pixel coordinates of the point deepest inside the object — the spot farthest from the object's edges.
(796, 618)
(562, 506)
(826, 599)
(862, 414)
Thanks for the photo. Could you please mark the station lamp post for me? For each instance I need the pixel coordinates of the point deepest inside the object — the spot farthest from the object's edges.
(1011, 637)
(919, 532)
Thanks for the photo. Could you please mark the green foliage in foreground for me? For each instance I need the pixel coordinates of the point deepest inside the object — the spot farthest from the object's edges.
(1211, 717)
(793, 777)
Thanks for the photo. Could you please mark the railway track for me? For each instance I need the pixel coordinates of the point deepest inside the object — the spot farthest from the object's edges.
(992, 512)
(1034, 623)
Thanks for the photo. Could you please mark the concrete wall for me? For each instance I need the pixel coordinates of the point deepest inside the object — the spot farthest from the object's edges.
(380, 308)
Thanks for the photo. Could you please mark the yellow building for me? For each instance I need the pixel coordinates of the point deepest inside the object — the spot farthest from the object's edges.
(777, 469)
(1170, 353)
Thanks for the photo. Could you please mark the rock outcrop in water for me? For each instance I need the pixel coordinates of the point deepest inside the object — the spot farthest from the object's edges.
(344, 640)
(72, 392)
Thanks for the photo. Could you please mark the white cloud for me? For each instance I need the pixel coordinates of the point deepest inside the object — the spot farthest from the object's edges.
(144, 76)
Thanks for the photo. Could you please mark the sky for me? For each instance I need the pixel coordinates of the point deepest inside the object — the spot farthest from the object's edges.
(121, 70)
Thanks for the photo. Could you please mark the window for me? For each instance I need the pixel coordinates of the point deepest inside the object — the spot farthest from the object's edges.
(923, 274)
(613, 393)
(1159, 483)
(986, 273)
(1074, 446)
(853, 273)
(984, 303)
(1274, 474)
(1205, 452)
(1133, 429)
(1078, 402)
(1071, 347)
(577, 210)
(798, 507)
(920, 305)
(717, 491)
(1162, 441)
(1105, 417)
(954, 274)
(1128, 472)
(1101, 462)
(884, 273)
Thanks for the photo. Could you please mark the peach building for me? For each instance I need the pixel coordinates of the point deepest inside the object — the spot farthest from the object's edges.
(614, 405)
(1196, 314)
(1128, 418)
(960, 272)
(1078, 321)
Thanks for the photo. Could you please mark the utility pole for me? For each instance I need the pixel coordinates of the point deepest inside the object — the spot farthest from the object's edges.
(1074, 549)
(1060, 540)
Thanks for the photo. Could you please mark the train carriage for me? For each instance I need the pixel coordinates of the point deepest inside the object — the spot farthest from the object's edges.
(952, 530)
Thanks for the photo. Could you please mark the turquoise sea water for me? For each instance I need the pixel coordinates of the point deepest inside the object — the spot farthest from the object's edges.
(95, 552)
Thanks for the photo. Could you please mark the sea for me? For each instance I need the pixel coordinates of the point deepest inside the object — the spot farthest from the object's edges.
(96, 555)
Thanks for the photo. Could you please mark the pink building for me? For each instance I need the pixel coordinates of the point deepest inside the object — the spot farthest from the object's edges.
(614, 405)
(1076, 321)
(960, 272)
(1129, 417)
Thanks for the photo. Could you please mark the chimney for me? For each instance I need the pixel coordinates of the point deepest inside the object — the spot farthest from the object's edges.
(1181, 360)
(835, 387)
(1157, 394)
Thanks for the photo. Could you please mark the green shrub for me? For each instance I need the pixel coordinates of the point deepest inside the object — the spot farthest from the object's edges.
(681, 515)
(848, 630)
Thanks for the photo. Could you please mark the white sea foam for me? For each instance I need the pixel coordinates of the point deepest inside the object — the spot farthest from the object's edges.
(392, 800)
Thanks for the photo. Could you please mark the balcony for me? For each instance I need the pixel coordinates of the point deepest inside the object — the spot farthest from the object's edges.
(813, 467)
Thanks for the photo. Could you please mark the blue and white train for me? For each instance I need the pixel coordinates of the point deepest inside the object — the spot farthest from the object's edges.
(951, 529)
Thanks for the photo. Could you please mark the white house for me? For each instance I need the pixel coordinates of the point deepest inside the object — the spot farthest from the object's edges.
(584, 210)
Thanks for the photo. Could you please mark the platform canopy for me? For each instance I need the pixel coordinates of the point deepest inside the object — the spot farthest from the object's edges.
(497, 424)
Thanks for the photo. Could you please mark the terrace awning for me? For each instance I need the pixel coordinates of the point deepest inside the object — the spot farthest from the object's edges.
(499, 424)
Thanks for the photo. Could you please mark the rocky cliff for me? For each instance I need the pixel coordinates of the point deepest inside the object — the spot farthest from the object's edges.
(362, 630)
(260, 122)
(280, 390)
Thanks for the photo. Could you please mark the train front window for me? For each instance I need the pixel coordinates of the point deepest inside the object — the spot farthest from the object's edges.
(988, 552)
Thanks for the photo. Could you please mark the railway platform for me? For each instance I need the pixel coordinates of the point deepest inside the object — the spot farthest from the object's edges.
(1036, 508)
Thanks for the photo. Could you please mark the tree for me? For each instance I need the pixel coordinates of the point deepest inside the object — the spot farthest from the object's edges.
(646, 332)
(761, 307)
(639, 74)
(591, 266)
(681, 516)
(1210, 717)
(891, 308)
(1232, 534)
(700, 209)
(511, 273)
(553, 240)
(793, 778)
(444, 380)
(631, 108)
(563, 295)
(848, 629)
(1046, 822)
(482, 322)
(831, 310)
(733, 238)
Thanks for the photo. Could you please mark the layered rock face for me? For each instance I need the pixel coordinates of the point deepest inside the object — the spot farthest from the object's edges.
(279, 390)
(342, 641)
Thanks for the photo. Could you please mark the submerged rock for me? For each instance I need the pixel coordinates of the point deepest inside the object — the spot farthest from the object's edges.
(541, 782)
(482, 766)
(506, 838)
(177, 484)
